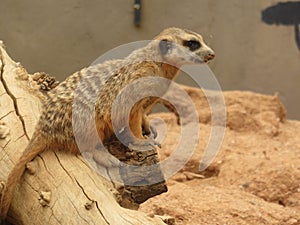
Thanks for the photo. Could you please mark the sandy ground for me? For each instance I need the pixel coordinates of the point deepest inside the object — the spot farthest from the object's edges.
(253, 180)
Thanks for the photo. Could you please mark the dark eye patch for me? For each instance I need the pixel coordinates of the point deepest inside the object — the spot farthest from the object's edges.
(192, 44)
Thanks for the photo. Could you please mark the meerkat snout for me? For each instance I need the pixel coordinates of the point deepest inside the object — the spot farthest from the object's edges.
(205, 53)
(209, 56)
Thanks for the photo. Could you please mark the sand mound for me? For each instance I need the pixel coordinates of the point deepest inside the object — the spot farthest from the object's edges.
(255, 177)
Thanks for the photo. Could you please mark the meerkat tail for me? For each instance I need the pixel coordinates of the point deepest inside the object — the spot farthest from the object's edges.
(35, 146)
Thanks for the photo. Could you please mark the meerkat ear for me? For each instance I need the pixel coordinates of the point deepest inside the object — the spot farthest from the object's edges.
(165, 46)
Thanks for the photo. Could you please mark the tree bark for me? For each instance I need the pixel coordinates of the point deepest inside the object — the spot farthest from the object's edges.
(57, 188)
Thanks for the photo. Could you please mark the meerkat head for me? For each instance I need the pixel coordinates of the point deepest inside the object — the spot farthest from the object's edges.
(180, 46)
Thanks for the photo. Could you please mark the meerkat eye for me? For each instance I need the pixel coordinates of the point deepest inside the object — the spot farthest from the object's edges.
(192, 44)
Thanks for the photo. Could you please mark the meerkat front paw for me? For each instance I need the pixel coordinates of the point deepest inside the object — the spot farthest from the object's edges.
(150, 132)
(147, 144)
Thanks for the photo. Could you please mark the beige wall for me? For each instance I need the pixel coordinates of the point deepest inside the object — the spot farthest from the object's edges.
(60, 37)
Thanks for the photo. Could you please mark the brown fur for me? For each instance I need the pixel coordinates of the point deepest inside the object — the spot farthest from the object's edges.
(55, 124)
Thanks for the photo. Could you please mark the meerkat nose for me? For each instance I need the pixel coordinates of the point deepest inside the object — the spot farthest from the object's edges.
(210, 55)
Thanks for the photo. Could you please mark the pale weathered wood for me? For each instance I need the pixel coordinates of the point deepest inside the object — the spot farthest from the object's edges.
(57, 188)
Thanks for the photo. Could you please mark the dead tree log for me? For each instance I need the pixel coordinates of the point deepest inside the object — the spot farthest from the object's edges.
(58, 188)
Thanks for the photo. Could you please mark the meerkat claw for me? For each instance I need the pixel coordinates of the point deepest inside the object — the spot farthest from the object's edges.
(148, 144)
(153, 136)
(158, 144)
(153, 131)
(155, 143)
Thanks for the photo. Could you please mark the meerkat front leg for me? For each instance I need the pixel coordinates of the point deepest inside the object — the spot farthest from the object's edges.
(135, 123)
(148, 129)
(137, 141)
(146, 125)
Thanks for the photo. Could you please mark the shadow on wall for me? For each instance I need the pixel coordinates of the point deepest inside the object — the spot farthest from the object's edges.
(284, 13)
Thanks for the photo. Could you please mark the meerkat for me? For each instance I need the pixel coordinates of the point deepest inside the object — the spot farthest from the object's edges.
(162, 57)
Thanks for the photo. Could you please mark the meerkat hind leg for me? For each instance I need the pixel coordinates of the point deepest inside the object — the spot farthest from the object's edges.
(103, 157)
(104, 163)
